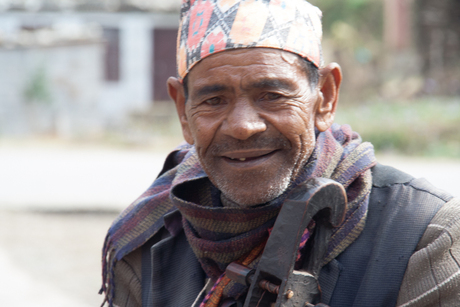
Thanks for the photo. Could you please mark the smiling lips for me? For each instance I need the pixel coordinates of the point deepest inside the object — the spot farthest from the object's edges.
(246, 156)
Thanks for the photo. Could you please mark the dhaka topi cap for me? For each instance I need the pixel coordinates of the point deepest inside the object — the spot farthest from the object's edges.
(211, 26)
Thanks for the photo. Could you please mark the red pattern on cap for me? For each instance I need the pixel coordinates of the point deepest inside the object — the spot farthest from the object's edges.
(210, 26)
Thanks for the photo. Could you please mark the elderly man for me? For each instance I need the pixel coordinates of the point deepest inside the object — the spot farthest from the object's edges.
(256, 106)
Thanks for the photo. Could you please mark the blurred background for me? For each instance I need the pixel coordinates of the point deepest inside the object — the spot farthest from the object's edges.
(85, 119)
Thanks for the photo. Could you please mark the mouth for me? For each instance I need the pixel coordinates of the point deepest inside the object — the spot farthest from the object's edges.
(248, 158)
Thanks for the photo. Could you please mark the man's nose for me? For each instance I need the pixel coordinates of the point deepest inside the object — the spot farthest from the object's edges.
(243, 121)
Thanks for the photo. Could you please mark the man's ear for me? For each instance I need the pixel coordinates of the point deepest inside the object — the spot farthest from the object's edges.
(330, 78)
(176, 92)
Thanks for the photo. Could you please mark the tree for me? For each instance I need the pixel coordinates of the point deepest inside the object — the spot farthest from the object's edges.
(437, 30)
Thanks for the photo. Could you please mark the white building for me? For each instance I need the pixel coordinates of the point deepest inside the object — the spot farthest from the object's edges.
(75, 67)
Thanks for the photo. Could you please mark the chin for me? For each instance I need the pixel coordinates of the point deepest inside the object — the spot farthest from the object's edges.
(249, 196)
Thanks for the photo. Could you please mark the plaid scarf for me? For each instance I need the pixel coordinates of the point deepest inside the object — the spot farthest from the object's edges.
(224, 232)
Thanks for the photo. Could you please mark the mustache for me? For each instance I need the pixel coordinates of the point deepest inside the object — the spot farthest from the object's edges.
(253, 143)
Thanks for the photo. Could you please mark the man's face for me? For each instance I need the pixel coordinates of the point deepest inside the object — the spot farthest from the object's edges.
(251, 115)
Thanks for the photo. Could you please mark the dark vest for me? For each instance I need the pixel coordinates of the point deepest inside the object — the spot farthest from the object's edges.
(368, 273)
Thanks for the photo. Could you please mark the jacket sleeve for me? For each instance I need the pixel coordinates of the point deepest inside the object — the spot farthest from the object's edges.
(432, 277)
(128, 289)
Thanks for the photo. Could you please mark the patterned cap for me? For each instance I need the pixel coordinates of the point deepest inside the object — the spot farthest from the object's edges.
(211, 26)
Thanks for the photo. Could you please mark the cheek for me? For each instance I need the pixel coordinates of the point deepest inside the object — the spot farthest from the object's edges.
(299, 129)
(203, 131)
(296, 125)
(307, 136)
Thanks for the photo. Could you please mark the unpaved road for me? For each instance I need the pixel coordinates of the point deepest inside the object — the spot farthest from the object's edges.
(56, 203)
(51, 259)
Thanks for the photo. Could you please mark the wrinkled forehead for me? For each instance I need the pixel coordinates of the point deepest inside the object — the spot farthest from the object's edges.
(246, 69)
(212, 26)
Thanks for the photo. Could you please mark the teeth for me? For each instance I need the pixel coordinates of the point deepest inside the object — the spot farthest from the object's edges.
(238, 159)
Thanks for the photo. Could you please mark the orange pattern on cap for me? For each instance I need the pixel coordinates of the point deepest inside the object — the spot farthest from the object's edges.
(211, 26)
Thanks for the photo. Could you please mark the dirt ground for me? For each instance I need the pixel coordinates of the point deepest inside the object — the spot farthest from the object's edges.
(57, 202)
(51, 259)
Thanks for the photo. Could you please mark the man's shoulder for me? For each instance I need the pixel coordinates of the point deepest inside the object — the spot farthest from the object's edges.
(175, 157)
(400, 209)
(384, 176)
(430, 213)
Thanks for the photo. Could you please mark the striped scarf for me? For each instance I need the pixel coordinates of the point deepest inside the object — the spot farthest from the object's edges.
(228, 234)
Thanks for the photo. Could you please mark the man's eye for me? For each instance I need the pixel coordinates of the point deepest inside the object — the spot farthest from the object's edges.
(213, 101)
(271, 96)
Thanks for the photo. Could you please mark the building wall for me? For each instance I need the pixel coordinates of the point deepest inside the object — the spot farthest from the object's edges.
(113, 99)
(50, 90)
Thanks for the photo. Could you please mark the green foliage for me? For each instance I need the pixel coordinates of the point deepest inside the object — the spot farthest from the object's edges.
(425, 127)
(366, 16)
(38, 88)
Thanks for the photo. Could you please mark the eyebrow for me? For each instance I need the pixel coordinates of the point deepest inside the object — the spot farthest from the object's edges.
(210, 89)
(272, 84)
(265, 83)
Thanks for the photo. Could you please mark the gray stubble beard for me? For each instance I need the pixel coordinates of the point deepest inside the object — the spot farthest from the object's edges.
(272, 191)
